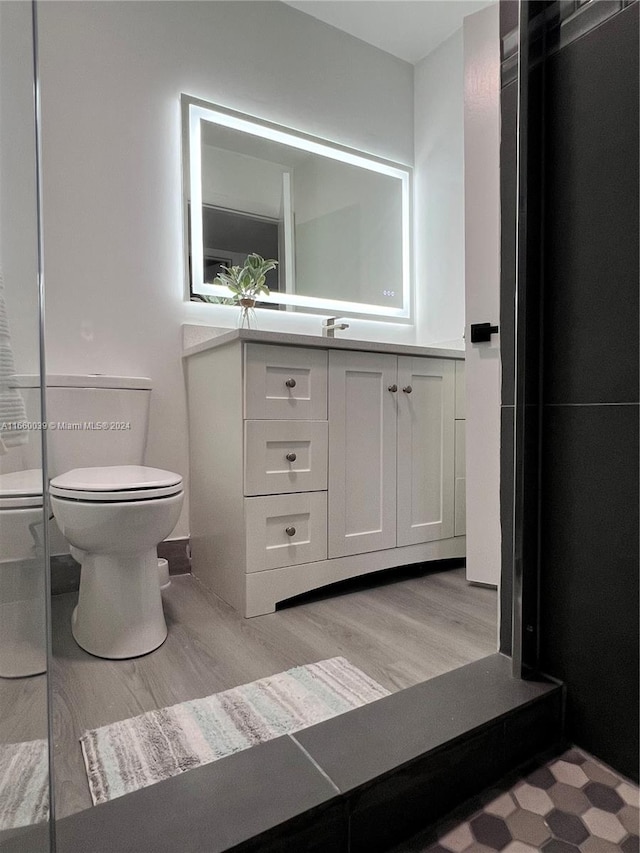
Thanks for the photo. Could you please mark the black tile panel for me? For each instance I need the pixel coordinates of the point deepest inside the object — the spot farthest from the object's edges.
(532, 730)
(423, 791)
(585, 17)
(530, 535)
(506, 525)
(589, 574)
(356, 748)
(532, 294)
(323, 830)
(508, 199)
(591, 216)
(214, 808)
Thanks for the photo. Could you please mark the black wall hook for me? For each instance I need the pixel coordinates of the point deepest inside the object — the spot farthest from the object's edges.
(481, 332)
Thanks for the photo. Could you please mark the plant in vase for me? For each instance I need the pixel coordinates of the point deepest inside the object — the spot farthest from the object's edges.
(246, 284)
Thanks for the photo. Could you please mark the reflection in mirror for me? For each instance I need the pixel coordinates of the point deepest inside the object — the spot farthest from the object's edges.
(24, 770)
(337, 221)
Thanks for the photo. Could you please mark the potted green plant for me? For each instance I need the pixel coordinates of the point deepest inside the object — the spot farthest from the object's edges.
(247, 283)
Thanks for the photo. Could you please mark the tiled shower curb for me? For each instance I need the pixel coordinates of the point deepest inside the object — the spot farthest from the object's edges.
(361, 781)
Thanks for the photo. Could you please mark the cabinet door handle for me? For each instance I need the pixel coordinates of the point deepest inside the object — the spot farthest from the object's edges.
(290, 383)
(393, 388)
(290, 531)
(291, 457)
(407, 389)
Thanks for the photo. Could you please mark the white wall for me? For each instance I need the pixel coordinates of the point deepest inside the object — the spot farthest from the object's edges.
(18, 223)
(111, 75)
(439, 194)
(482, 246)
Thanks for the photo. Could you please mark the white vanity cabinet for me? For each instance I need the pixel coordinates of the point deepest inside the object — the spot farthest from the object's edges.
(313, 464)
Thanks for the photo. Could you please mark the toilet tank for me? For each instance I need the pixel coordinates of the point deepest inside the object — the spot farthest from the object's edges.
(93, 420)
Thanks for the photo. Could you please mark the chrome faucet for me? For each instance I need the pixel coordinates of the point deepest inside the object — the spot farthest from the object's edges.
(330, 326)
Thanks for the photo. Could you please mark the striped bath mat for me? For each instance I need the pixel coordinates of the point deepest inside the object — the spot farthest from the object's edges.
(134, 753)
(24, 783)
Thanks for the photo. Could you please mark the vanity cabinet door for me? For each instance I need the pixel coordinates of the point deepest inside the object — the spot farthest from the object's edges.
(362, 452)
(285, 383)
(426, 448)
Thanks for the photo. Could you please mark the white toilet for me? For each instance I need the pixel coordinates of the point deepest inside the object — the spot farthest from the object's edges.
(22, 570)
(115, 516)
(23, 649)
(111, 509)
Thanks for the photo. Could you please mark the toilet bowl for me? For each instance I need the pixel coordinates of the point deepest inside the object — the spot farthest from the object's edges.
(116, 516)
(22, 575)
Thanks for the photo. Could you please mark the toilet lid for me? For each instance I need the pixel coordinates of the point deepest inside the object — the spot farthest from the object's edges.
(116, 483)
(21, 489)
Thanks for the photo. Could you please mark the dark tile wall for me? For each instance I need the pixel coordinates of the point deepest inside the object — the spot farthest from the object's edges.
(591, 202)
(589, 523)
(589, 576)
(584, 215)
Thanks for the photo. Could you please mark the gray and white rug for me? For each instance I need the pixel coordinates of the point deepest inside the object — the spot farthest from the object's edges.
(134, 753)
(24, 783)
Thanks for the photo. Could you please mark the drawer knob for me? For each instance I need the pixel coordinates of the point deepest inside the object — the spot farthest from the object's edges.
(393, 388)
(291, 457)
(290, 383)
(407, 389)
(290, 531)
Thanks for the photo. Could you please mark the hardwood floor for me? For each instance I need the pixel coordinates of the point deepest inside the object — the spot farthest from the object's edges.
(399, 632)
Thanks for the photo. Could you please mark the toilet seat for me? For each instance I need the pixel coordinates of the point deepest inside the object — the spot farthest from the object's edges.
(21, 489)
(116, 483)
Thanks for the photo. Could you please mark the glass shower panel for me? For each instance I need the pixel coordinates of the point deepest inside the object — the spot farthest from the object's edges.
(24, 747)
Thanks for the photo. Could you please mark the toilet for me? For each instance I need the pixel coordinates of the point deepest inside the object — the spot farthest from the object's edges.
(22, 585)
(114, 517)
(111, 509)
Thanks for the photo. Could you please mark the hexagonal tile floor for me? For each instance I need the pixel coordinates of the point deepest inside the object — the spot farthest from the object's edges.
(572, 804)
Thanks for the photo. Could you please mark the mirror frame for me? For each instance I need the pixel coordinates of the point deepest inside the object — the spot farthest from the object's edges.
(194, 112)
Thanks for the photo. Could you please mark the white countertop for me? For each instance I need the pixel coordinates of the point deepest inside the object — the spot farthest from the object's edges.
(220, 338)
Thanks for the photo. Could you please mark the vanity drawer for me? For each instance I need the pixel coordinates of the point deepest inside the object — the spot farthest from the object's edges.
(285, 530)
(285, 383)
(285, 456)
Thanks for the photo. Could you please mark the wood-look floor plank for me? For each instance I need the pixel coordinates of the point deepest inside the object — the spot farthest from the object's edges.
(400, 633)
(23, 709)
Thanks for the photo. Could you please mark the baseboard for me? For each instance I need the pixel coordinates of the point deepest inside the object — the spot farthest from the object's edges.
(65, 571)
(178, 553)
(65, 574)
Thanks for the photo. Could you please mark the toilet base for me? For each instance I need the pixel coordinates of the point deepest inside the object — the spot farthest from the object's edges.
(119, 613)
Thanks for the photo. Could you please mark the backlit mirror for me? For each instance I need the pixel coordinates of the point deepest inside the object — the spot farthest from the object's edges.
(336, 220)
